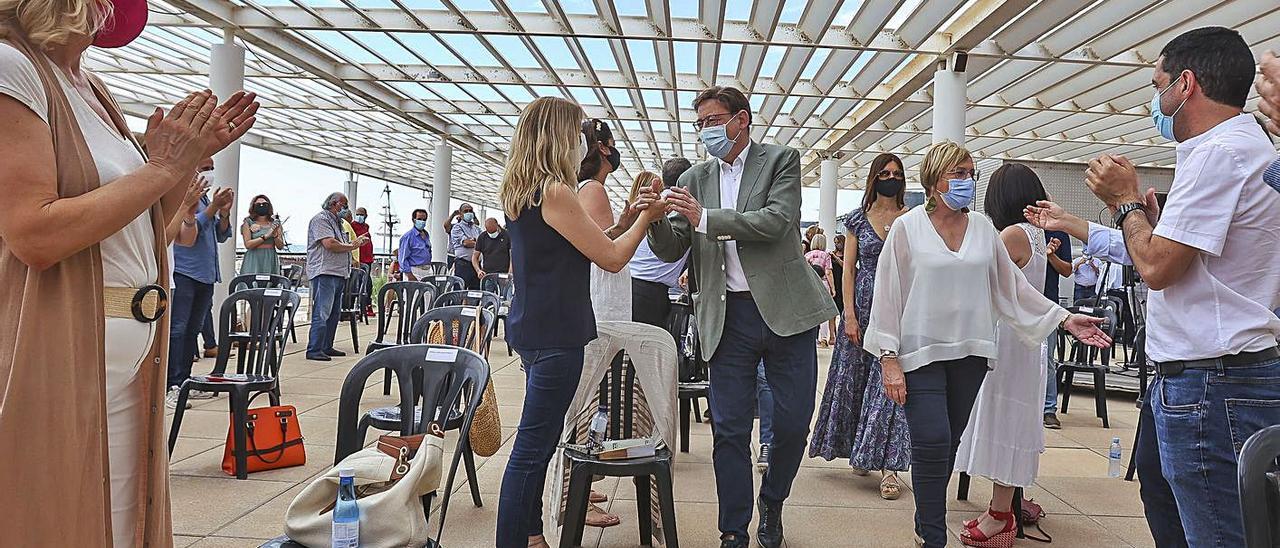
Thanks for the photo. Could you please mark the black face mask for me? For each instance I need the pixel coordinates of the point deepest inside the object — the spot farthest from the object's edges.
(262, 209)
(890, 187)
(614, 158)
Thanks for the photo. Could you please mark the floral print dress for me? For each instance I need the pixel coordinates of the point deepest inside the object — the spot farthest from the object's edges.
(856, 420)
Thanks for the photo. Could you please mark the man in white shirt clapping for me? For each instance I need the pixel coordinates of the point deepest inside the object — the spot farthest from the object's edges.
(1211, 330)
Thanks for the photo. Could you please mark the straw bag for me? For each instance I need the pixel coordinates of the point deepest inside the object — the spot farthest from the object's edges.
(486, 425)
(390, 484)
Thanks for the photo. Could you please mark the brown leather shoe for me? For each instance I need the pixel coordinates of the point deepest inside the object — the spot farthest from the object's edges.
(211, 352)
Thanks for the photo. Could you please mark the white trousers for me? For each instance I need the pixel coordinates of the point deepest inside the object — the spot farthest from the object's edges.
(127, 342)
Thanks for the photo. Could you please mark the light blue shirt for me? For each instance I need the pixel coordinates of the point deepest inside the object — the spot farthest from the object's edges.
(200, 261)
(646, 266)
(1107, 243)
(461, 231)
(415, 249)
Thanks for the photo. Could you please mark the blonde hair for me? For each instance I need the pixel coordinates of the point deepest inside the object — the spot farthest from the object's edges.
(818, 242)
(940, 159)
(48, 23)
(643, 180)
(545, 150)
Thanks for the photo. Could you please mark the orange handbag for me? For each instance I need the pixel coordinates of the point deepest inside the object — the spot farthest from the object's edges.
(274, 438)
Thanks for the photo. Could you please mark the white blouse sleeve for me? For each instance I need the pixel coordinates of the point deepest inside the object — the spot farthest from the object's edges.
(1016, 302)
(19, 80)
(889, 297)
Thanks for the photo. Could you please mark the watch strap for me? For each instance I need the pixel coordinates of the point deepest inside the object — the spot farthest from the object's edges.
(1123, 211)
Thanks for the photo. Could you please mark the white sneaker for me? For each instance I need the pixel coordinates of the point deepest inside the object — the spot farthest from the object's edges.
(201, 395)
(171, 399)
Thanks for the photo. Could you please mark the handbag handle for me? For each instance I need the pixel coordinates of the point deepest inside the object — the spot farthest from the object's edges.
(284, 442)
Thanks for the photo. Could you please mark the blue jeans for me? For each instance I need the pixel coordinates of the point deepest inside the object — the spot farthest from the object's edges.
(551, 378)
(1051, 386)
(187, 309)
(1158, 503)
(764, 406)
(207, 333)
(1202, 418)
(792, 367)
(326, 309)
(939, 398)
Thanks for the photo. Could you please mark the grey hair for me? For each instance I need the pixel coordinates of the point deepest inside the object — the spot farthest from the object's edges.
(332, 199)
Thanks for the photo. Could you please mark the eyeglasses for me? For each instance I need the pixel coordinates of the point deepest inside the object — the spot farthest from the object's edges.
(710, 120)
(965, 173)
(885, 174)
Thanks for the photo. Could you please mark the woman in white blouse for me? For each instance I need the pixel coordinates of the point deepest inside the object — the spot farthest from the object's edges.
(943, 281)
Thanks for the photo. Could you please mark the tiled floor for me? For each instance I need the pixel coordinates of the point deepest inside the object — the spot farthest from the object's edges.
(829, 506)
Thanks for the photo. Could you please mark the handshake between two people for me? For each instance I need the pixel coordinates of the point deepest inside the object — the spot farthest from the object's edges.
(654, 201)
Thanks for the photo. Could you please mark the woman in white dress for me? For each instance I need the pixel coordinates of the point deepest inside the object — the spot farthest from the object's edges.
(610, 291)
(1006, 434)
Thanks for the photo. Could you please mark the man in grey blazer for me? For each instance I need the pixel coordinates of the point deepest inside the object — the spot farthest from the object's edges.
(739, 213)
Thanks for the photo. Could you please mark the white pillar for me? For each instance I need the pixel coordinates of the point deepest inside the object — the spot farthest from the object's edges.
(827, 197)
(949, 104)
(226, 76)
(440, 202)
(349, 188)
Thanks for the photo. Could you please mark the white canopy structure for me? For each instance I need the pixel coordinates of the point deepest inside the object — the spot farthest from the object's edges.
(372, 86)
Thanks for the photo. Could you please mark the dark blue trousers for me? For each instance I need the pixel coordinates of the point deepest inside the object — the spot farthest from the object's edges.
(191, 300)
(791, 365)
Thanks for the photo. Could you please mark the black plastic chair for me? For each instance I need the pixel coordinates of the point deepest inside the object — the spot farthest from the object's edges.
(617, 392)
(484, 299)
(1087, 359)
(1140, 357)
(258, 366)
(502, 284)
(1260, 488)
(692, 379)
(439, 269)
(445, 283)
(259, 281)
(296, 275)
(411, 300)
(353, 303)
(435, 377)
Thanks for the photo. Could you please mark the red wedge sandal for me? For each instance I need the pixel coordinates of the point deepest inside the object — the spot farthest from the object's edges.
(973, 536)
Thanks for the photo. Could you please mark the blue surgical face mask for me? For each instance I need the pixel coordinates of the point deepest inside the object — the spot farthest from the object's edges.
(1164, 122)
(716, 139)
(342, 213)
(360, 218)
(959, 194)
(469, 217)
(420, 224)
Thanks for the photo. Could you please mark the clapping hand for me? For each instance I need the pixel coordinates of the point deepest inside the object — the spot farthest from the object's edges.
(1268, 87)
(1053, 246)
(1047, 215)
(222, 199)
(683, 202)
(1114, 180)
(196, 128)
(195, 189)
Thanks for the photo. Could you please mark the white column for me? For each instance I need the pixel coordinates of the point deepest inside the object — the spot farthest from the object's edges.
(949, 104)
(440, 202)
(827, 197)
(226, 76)
(349, 188)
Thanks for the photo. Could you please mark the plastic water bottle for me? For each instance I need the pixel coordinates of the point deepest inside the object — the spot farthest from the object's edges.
(1113, 457)
(599, 425)
(346, 514)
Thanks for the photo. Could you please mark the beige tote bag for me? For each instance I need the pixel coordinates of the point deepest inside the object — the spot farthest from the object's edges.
(389, 489)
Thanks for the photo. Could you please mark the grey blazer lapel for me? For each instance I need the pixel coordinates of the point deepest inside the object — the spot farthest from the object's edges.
(751, 172)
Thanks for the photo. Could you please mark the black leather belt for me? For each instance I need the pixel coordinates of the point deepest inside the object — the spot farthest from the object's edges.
(1243, 359)
(742, 295)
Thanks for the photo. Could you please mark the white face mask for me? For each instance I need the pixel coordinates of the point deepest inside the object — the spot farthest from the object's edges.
(493, 234)
(582, 147)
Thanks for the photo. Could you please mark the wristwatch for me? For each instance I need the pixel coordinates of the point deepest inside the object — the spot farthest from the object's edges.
(889, 354)
(1123, 211)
